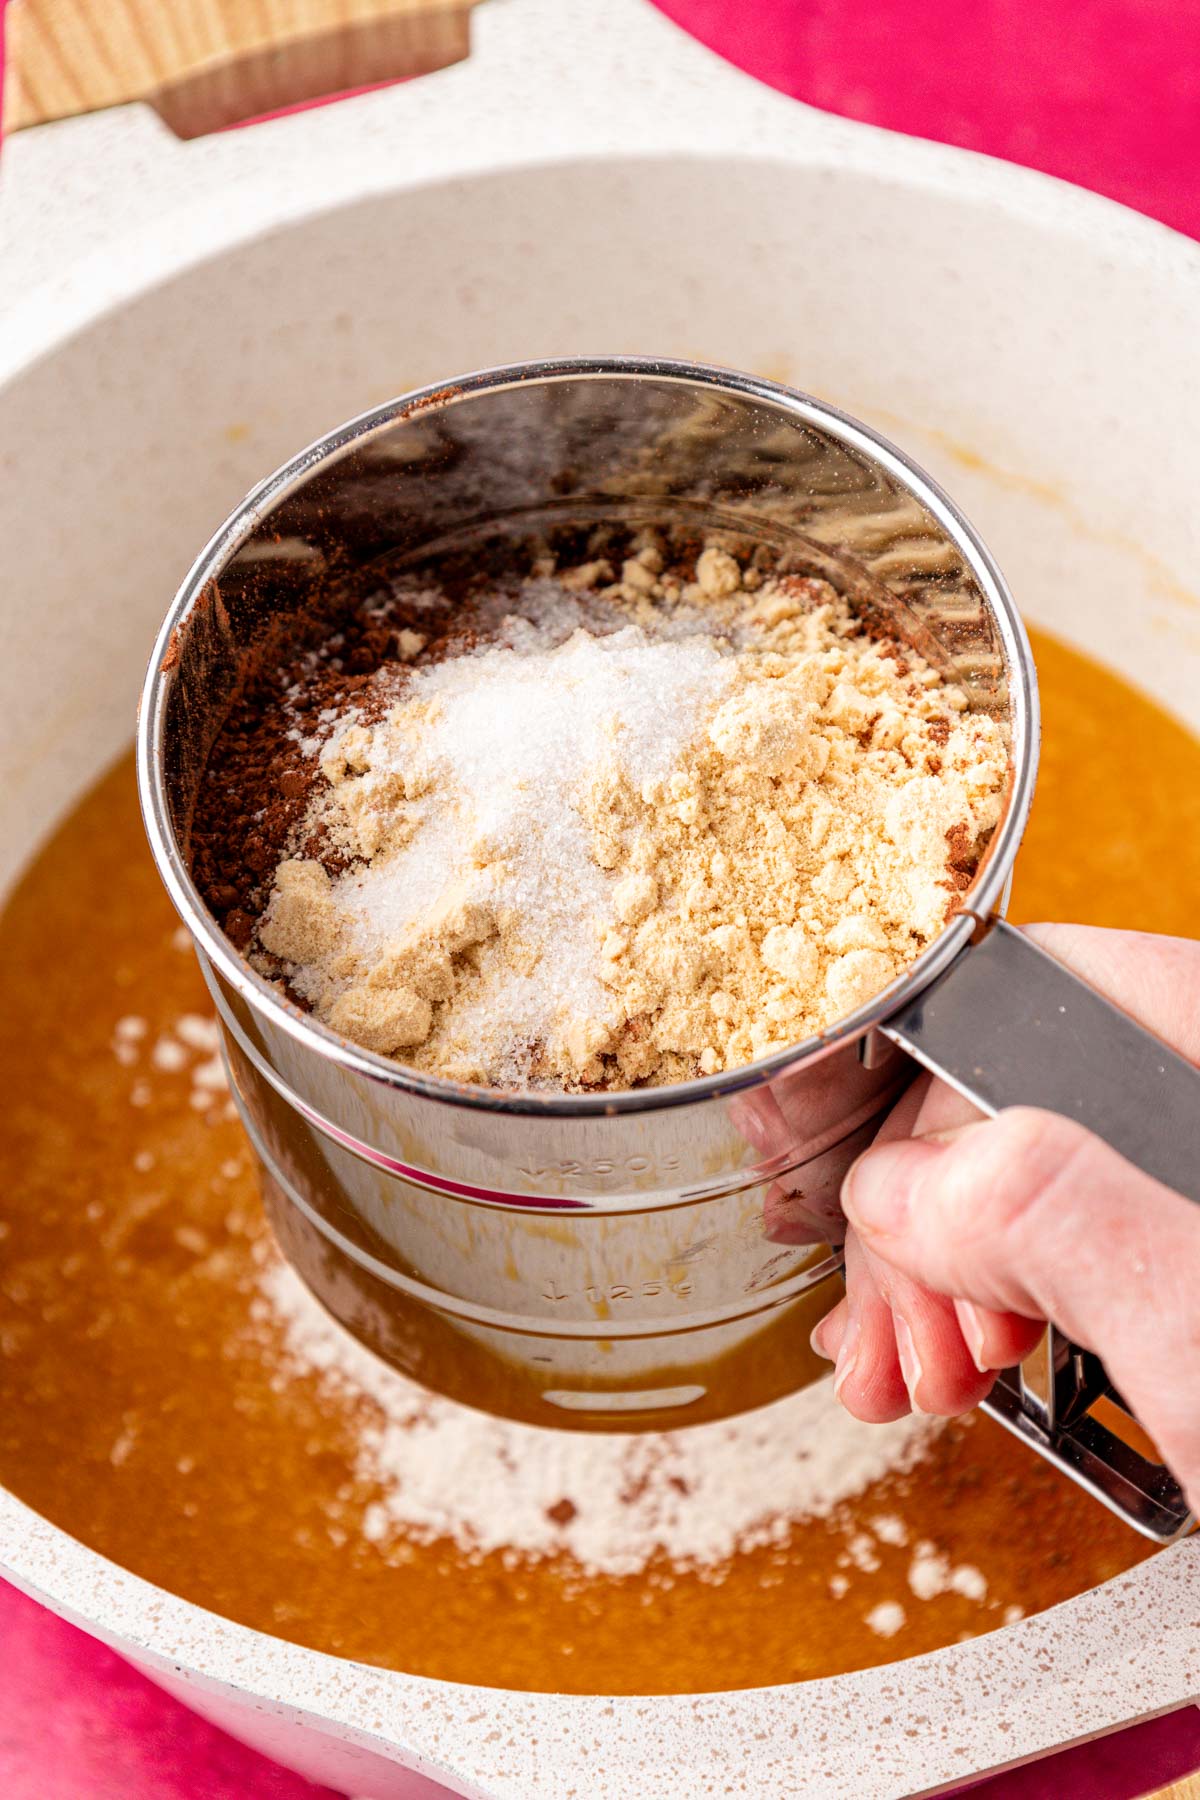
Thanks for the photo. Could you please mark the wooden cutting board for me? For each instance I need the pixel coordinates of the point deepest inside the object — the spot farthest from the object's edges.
(205, 64)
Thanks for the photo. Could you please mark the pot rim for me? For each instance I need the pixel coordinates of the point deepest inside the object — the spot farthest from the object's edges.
(1074, 1671)
(985, 895)
(202, 204)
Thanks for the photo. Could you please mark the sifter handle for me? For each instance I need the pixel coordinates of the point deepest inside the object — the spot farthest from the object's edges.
(1008, 1025)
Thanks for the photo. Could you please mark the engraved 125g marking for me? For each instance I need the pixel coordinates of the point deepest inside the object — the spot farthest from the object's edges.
(597, 1295)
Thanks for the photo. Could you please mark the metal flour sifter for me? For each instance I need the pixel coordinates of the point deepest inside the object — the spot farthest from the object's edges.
(656, 1257)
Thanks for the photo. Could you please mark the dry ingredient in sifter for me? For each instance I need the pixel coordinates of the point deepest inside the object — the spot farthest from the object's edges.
(607, 827)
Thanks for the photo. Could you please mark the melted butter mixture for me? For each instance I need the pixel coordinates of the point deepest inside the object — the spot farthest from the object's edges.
(137, 1413)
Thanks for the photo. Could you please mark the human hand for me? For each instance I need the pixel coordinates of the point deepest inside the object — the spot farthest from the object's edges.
(968, 1234)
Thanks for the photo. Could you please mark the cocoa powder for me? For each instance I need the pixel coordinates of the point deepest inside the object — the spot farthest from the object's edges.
(259, 780)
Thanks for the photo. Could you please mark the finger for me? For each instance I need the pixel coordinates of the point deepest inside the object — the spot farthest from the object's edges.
(936, 1365)
(945, 1369)
(939, 1371)
(875, 1389)
(992, 1340)
(867, 1377)
(1030, 1214)
(1153, 979)
(942, 1108)
(996, 1340)
(903, 1119)
(827, 1334)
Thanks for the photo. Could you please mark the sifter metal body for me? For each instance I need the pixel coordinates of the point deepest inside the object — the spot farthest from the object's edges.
(656, 1257)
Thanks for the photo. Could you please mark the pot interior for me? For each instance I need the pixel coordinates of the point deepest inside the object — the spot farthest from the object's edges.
(141, 433)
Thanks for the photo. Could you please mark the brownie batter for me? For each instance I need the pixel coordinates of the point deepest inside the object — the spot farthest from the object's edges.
(142, 1410)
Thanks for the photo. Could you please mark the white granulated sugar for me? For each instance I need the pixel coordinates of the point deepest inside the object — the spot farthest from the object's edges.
(386, 897)
(561, 713)
(700, 1495)
(509, 739)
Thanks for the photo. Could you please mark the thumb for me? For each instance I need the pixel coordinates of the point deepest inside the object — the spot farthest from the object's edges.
(1029, 1213)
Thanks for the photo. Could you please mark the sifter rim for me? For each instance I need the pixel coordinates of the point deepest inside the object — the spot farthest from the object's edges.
(987, 893)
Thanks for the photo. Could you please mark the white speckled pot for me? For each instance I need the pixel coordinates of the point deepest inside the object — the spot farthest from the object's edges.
(176, 318)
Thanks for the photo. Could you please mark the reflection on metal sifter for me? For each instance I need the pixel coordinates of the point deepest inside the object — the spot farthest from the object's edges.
(659, 1256)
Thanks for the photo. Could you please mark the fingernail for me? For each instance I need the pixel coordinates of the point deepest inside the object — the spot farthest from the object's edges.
(910, 1362)
(817, 1339)
(971, 1325)
(847, 1355)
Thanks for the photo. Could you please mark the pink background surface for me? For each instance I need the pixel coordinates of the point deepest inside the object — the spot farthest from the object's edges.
(1102, 92)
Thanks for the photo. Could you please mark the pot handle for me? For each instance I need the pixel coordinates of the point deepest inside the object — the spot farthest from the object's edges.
(206, 64)
(1008, 1025)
